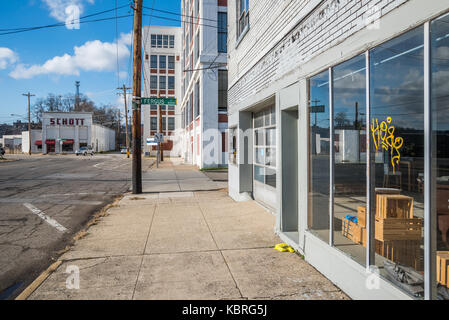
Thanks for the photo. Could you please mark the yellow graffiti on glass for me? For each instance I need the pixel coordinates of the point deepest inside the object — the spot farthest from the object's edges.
(383, 135)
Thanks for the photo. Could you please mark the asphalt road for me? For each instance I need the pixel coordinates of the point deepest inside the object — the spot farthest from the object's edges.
(44, 201)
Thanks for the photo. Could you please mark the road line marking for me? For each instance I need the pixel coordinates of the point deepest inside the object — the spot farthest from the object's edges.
(44, 217)
(52, 201)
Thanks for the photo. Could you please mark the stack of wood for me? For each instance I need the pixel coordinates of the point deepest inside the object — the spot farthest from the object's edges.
(397, 233)
(443, 267)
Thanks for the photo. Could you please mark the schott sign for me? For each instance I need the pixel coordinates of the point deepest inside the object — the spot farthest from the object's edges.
(67, 121)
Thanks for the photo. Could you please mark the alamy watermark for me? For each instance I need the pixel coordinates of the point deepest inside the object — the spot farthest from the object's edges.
(372, 281)
(73, 280)
(72, 20)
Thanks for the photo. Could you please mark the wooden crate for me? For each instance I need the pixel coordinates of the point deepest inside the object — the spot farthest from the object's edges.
(362, 216)
(394, 206)
(443, 267)
(351, 230)
(398, 229)
(363, 240)
(405, 252)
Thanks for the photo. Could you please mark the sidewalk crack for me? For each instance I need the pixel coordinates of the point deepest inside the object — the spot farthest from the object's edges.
(221, 253)
(144, 250)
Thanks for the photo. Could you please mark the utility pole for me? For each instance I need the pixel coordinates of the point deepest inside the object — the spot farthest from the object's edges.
(118, 129)
(161, 150)
(137, 91)
(125, 89)
(29, 95)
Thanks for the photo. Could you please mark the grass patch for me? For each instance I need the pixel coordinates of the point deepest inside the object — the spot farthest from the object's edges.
(136, 198)
(215, 169)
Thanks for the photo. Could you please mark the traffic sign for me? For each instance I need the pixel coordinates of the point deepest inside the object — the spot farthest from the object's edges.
(159, 137)
(160, 101)
(151, 142)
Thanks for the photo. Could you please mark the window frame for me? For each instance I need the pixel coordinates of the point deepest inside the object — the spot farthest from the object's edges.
(429, 229)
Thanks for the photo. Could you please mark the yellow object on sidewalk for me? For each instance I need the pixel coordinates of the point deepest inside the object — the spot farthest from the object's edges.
(283, 247)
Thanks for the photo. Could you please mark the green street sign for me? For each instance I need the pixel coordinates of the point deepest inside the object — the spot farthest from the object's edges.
(160, 101)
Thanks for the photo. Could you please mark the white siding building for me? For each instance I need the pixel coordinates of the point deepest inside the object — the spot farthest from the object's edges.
(204, 103)
(337, 104)
(66, 132)
(162, 78)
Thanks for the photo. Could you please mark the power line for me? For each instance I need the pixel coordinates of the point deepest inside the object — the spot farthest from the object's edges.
(179, 14)
(63, 23)
(182, 21)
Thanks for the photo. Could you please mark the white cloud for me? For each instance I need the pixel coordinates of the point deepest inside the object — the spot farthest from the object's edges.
(7, 57)
(91, 56)
(58, 7)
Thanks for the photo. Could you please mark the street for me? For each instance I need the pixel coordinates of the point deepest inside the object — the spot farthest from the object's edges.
(44, 201)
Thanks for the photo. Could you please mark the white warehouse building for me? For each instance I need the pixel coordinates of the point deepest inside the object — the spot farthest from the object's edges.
(66, 132)
(162, 78)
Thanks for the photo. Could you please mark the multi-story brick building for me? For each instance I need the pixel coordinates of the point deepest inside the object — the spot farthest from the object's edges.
(162, 78)
(204, 83)
(337, 104)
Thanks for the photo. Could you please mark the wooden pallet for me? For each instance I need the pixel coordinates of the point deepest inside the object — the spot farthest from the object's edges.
(362, 216)
(351, 230)
(443, 267)
(394, 206)
(406, 252)
(398, 229)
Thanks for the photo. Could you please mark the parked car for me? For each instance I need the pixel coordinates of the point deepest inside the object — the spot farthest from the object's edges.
(123, 150)
(84, 151)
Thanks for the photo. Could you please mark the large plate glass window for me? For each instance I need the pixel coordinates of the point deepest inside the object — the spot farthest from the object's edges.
(440, 137)
(397, 141)
(319, 156)
(349, 101)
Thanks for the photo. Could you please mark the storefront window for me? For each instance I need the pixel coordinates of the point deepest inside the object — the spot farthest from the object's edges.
(440, 137)
(265, 146)
(349, 97)
(397, 180)
(319, 142)
(397, 158)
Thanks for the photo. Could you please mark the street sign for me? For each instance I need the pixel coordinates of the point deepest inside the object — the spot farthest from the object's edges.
(318, 109)
(159, 137)
(151, 142)
(160, 101)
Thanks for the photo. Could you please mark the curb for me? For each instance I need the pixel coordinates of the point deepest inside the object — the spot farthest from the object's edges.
(38, 281)
(52, 268)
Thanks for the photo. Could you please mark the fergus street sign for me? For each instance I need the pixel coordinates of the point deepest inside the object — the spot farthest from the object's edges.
(160, 101)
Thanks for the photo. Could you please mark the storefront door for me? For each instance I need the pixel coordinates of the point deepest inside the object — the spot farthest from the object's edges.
(264, 181)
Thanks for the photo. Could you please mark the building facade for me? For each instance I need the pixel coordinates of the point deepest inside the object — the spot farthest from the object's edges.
(204, 82)
(162, 78)
(66, 132)
(11, 143)
(338, 125)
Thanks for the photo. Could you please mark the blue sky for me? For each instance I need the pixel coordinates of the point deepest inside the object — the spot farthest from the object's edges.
(51, 60)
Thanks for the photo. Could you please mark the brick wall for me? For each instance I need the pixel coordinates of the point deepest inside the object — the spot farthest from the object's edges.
(328, 24)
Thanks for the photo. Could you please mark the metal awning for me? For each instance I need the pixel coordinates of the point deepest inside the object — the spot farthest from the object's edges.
(50, 141)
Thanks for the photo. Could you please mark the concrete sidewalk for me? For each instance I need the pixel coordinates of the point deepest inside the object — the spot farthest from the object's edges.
(185, 245)
(172, 175)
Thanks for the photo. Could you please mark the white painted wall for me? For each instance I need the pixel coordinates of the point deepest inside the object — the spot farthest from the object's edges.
(177, 52)
(288, 42)
(208, 129)
(35, 135)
